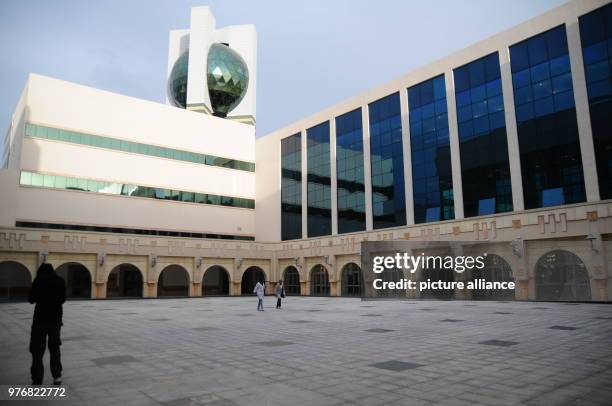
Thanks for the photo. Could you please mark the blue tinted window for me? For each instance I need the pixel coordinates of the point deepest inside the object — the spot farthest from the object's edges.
(349, 169)
(546, 120)
(319, 180)
(291, 187)
(430, 149)
(596, 40)
(485, 169)
(387, 161)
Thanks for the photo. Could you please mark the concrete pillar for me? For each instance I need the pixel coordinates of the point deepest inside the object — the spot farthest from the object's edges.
(334, 288)
(98, 290)
(453, 129)
(196, 289)
(587, 150)
(404, 108)
(152, 287)
(235, 288)
(367, 166)
(514, 154)
(304, 187)
(334, 176)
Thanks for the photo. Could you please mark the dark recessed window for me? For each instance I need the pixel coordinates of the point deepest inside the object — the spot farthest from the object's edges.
(349, 167)
(551, 164)
(291, 187)
(432, 180)
(485, 169)
(387, 163)
(596, 38)
(319, 180)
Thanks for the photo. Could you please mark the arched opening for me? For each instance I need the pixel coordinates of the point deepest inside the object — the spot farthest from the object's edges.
(173, 282)
(434, 275)
(291, 281)
(390, 275)
(78, 280)
(561, 275)
(125, 280)
(15, 281)
(215, 281)
(319, 281)
(352, 282)
(496, 269)
(250, 277)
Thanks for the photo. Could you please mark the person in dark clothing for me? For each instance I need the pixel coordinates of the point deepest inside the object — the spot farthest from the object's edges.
(280, 293)
(49, 293)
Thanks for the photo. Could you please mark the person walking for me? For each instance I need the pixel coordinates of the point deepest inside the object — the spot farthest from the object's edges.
(49, 293)
(280, 293)
(260, 291)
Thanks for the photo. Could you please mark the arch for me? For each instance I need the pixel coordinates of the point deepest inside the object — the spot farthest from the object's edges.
(250, 277)
(496, 269)
(352, 280)
(319, 281)
(173, 282)
(291, 281)
(125, 280)
(445, 275)
(215, 281)
(15, 281)
(78, 280)
(561, 275)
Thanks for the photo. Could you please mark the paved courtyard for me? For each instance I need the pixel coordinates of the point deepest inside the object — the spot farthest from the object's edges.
(322, 351)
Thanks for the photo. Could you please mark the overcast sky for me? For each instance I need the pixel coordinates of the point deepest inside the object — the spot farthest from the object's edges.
(312, 54)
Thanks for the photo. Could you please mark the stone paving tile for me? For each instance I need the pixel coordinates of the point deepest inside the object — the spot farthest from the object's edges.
(378, 330)
(568, 328)
(116, 359)
(395, 365)
(205, 352)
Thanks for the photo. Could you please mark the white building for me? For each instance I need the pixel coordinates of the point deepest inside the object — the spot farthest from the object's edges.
(505, 141)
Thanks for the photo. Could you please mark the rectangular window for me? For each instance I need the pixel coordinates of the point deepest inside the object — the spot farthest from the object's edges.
(319, 180)
(34, 130)
(291, 187)
(546, 119)
(349, 169)
(95, 186)
(432, 180)
(485, 168)
(387, 163)
(596, 39)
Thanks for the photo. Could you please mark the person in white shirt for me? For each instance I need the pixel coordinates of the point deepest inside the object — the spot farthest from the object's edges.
(260, 291)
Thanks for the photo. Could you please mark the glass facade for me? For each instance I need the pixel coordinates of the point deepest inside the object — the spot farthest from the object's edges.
(291, 187)
(349, 169)
(123, 189)
(74, 137)
(227, 77)
(123, 230)
(551, 165)
(432, 181)
(485, 169)
(177, 83)
(596, 39)
(319, 180)
(387, 163)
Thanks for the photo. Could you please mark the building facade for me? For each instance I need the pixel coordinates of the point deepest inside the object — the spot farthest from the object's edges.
(506, 141)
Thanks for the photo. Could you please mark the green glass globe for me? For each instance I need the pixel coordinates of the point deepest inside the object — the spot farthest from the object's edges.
(228, 78)
(178, 81)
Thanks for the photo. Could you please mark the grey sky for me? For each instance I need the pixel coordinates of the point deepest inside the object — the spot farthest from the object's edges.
(311, 55)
